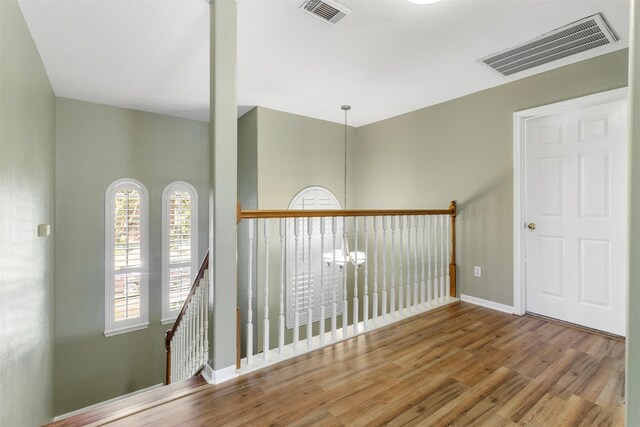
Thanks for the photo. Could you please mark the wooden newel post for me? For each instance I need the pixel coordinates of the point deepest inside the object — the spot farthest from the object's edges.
(452, 265)
(167, 345)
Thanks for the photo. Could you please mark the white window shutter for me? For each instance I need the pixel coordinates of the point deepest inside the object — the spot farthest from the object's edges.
(305, 282)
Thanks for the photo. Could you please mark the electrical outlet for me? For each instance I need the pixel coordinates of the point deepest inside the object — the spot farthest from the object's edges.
(477, 271)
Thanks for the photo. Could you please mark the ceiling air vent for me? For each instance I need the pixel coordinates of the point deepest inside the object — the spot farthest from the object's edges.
(327, 10)
(580, 36)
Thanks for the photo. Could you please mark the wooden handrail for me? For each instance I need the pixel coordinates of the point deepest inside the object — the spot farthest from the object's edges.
(267, 214)
(451, 211)
(171, 332)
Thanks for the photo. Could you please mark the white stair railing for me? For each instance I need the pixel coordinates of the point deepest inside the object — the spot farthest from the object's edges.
(320, 283)
(187, 344)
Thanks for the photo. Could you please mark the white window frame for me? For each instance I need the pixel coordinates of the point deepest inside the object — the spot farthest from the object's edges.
(318, 262)
(111, 326)
(169, 316)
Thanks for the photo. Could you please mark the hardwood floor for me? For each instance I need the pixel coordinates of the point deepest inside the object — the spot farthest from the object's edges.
(461, 365)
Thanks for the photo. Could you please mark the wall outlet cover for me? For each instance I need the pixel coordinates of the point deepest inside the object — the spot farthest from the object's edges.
(477, 271)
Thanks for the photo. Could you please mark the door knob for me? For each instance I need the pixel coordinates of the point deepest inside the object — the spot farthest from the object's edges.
(531, 226)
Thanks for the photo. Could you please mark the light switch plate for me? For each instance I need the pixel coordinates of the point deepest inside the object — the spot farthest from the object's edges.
(477, 271)
(44, 230)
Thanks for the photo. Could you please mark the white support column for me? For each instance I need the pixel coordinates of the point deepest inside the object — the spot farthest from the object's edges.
(223, 128)
(265, 332)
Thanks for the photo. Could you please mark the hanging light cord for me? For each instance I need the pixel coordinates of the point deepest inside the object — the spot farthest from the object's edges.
(345, 157)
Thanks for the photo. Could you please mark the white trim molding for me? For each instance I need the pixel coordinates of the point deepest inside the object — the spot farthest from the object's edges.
(520, 119)
(486, 303)
(106, 402)
(219, 376)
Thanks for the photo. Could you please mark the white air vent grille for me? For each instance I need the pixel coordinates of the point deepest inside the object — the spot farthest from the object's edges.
(326, 10)
(582, 35)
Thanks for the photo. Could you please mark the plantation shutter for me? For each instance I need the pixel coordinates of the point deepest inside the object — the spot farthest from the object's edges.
(127, 255)
(180, 256)
(303, 284)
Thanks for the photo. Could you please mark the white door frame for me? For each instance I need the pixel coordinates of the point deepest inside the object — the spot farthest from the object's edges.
(519, 120)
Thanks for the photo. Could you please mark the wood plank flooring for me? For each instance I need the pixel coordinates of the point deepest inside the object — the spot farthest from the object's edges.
(461, 365)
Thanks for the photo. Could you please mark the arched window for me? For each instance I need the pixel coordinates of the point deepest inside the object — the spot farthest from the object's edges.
(126, 257)
(179, 246)
(301, 280)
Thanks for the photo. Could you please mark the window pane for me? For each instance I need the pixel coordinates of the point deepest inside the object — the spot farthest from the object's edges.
(127, 296)
(127, 241)
(179, 227)
(179, 286)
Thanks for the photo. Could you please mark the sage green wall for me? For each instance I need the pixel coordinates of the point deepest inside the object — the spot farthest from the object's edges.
(27, 132)
(462, 150)
(95, 145)
(632, 370)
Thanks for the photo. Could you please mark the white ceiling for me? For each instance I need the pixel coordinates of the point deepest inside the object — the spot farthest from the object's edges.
(385, 58)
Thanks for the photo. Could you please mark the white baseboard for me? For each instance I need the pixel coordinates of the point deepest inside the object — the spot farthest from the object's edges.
(488, 304)
(219, 376)
(106, 402)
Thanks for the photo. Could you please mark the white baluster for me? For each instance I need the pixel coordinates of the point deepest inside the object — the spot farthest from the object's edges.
(322, 267)
(422, 280)
(250, 296)
(384, 268)
(355, 280)
(345, 255)
(334, 305)
(205, 315)
(205, 310)
(448, 250)
(172, 346)
(436, 277)
(282, 273)
(187, 342)
(442, 258)
(415, 264)
(400, 266)
(265, 333)
(365, 297)
(196, 329)
(309, 285)
(294, 282)
(408, 284)
(196, 314)
(392, 305)
(375, 269)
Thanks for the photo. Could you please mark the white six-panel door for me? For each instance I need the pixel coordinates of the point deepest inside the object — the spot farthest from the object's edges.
(576, 213)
